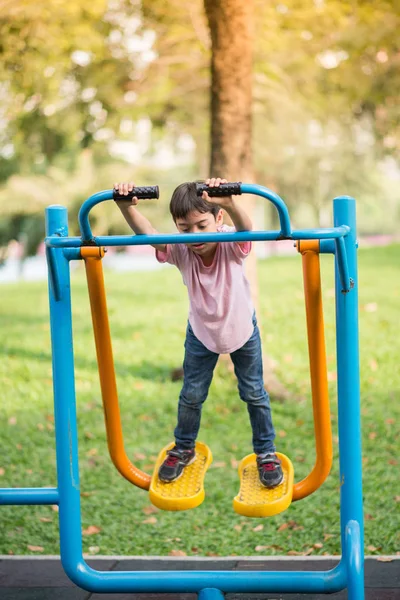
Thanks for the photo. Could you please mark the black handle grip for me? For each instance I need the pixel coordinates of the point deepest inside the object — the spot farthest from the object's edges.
(225, 189)
(142, 193)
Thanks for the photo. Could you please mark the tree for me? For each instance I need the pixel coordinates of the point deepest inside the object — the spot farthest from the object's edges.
(231, 24)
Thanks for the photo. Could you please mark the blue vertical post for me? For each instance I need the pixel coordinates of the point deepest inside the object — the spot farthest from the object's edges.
(348, 385)
(64, 395)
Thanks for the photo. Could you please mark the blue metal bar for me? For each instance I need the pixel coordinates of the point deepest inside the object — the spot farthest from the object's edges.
(195, 581)
(72, 253)
(52, 271)
(64, 397)
(247, 188)
(327, 247)
(342, 264)
(195, 238)
(355, 566)
(29, 496)
(210, 594)
(259, 190)
(83, 216)
(348, 385)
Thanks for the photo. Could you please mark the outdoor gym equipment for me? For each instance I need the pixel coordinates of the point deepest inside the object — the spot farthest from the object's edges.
(252, 499)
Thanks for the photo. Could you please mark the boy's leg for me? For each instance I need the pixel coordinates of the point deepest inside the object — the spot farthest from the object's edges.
(198, 368)
(249, 372)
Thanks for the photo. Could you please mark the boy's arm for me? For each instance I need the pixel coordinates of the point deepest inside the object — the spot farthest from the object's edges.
(240, 218)
(136, 221)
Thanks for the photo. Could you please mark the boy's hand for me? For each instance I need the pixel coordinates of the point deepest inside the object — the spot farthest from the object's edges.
(222, 201)
(124, 189)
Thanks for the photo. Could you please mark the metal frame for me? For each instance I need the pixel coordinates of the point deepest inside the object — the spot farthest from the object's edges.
(210, 585)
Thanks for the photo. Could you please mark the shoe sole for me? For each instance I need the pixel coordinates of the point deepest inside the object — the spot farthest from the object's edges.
(271, 487)
(180, 474)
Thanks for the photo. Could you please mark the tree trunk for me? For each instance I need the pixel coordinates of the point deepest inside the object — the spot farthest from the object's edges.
(231, 29)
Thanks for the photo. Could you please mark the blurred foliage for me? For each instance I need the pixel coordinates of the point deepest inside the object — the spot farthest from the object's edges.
(76, 78)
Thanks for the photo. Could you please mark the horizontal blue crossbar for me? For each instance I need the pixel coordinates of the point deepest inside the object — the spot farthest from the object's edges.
(194, 581)
(29, 496)
(195, 238)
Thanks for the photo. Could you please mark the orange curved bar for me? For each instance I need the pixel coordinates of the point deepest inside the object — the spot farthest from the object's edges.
(94, 273)
(319, 381)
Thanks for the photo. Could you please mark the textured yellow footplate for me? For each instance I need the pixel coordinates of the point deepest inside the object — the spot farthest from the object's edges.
(255, 500)
(187, 491)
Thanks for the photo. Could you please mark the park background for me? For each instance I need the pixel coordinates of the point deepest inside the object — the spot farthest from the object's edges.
(299, 96)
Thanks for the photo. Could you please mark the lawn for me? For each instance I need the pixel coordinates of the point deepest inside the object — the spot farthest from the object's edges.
(148, 318)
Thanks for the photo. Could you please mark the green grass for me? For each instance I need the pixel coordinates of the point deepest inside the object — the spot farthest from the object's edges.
(148, 317)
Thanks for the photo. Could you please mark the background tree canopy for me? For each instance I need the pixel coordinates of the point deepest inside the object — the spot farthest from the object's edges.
(82, 84)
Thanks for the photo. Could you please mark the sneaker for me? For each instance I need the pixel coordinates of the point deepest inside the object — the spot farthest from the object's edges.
(269, 470)
(173, 465)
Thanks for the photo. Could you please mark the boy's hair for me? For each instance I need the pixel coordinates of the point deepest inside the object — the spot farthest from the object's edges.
(185, 200)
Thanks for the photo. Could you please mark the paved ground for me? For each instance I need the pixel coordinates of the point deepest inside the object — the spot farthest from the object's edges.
(34, 578)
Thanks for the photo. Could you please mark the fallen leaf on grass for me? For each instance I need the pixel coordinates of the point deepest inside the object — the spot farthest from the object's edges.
(46, 520)
(94, 549)
(35, 548)
(318, 545)
(2, 471)
(54, 507)
(327, 536)
(238, 527)
(290, 525)
(150, 510)
(261, 548)
(372, 548)
(177, 553)
(258, 528)
(91, 530)
(150, 521)
(12, 421)
(369, 517)
(218, 465)
(92, 452)
(139, 456)
(372, 435)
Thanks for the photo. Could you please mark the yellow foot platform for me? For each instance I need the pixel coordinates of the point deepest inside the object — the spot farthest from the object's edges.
(187, 491)
(255, 500)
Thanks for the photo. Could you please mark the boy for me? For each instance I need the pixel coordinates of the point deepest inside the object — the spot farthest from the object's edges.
(221, 321)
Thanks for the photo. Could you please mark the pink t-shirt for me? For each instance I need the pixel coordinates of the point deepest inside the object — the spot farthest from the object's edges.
(221, 308)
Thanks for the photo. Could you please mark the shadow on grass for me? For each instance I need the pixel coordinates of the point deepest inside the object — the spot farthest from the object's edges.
(146, 369)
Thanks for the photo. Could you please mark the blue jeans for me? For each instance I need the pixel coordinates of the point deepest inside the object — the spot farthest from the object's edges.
(198, 368)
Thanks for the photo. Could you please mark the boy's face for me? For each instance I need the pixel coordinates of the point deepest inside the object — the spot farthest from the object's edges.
(197, 222)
